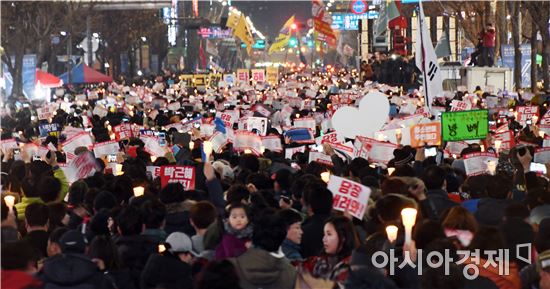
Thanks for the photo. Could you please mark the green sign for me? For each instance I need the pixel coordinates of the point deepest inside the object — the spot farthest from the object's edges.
(464, 125)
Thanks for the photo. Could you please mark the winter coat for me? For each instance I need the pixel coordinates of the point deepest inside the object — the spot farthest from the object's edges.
(291, 250)
(510, 281)
(73, 271)
(133, 252)
(312, 238)
(16, 279)
(233, 242)
(490, 211)
(440, 201)
(259, 268)
(166, 271)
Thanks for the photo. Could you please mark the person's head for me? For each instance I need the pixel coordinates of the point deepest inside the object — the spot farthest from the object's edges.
(339, 238)
(388, 208)
(103, 248)
(320, 201)
(77, 191)
(356, 167)
(459, 218)
(19, 255)
(283, 180)
(218, 275)
(172, 193)
(434, 177)
(104, 200)
(73, 241)
(487, 239)
(499, 187)
(129, 221)
(260, 181)
(58, 215)
(249, 162)
(49, 188)
(238, 216)
(54, 247)
(542, 238)
(516, 210)
(180, 245)
(269, 232)
(202, 214)
(237, 194)
(476, 186)
(37, 216)
(394, 186)
(154, 214)
(427, 231)
(293, 223)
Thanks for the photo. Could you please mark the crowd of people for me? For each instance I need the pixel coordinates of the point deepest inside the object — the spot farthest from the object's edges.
(258, 218)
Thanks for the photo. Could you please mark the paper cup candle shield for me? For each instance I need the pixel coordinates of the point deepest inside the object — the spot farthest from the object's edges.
(363, 121)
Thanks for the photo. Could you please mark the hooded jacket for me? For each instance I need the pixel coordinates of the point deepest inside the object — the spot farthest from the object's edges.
(166, 271)
(73, 271)
(258, 268)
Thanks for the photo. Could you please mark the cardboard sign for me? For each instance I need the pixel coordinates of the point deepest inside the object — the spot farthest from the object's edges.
(218, 140)
(79, 140)
(506, 138)
(242, 75)
(289, 152)
(427, 133)
(253, 123)
(82, 166)
(47, 129)
(526, 113)
(305, 122)
(258, 75)
(300, 135)
(106, 148)
(152, 146)
(349, 196)
(184, 175)
(476, 163)
(272, 143)
(123, 131)
(320, 158)
(464, 125)
(376, 151)
(542, 155)
(247, 140)
(7, 144)
(46, 112)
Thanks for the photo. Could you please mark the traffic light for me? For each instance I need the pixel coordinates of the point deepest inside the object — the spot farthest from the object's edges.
(293, 42)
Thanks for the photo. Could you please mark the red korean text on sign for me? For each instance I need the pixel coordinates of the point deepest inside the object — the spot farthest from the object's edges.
(178, 174)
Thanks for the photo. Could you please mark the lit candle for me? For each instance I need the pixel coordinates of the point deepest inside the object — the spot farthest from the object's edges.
(497, 144)
(262, 149)
(482, 148)
(191, 145)
(139, 191)
(534, 119)
(161, 248)
(10, 200)
(118, 169)
(408, 217)
(390, 171)
(247, 151)
(325, 176)
(391, 231)
(541, 133)
(398, 131)
(153, 159)
(207, 148)
(297, 115)
(491, 167)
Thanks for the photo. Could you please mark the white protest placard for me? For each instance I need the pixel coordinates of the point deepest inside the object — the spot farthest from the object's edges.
(174, 106)
(207, 129)
(545, 128)
(80, 140)
(154, 171)
(349, 196)
(344, 150)
(289, 152)
(261, 109)
(256, 123)
(320, 158)
(456, 147)
(106, 148)
(542, 155)
(305, 122)
(82, 166)
(272, 143)
(546, 142)
(457, 105)
(228, 117)
(525, 113)
(506, 138)
(100, 111)
(476, 163)
(372, 114)
(46, 112)
(218, 140)
(378, 152)
(332, 137)
(7, 144)
(152, 146)
(247, 140)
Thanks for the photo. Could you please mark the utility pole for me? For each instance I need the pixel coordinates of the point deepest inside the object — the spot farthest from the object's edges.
(89, 41)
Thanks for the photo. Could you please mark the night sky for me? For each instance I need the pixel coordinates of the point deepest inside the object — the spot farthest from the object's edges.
(269, 16)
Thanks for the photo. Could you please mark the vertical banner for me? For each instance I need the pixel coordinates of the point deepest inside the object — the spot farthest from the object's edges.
(124, 63)
(508, 53)
(29, 74)
(145, 57)
(272, 75)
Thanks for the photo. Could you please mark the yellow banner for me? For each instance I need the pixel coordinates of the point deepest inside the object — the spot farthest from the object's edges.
(272, 75)
(243, 32)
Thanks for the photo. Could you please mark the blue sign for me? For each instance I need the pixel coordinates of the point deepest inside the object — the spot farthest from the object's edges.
(358, 7)
(508, 61)
(349, 21)
(47, 129)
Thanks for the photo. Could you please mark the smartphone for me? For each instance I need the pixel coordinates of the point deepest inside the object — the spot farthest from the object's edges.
(430, 152)
(111, 158)
(162, 138)
(538, 167)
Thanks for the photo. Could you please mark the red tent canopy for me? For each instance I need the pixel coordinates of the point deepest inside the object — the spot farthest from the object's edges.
(47, 80)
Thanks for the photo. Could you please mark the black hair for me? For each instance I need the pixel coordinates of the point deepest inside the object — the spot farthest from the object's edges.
(102, 247)
(56, 234)
(499, 187)
(203, 214)
(49, 188)
(129, 221)
(18, 255)
(37, 214)
(356, 166)
(250, 162)
(260, 181)
(218, 275)
(58, 210)
(236, 193)
(320, 201)
(290, 217)
(434, 177)
(347, 236)
(172, 193)
(154, 213)
(269, 232)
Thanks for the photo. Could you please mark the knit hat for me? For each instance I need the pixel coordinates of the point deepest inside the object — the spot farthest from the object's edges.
(402, 156)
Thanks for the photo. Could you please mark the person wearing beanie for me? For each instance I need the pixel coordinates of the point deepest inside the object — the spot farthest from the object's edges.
(72, 268)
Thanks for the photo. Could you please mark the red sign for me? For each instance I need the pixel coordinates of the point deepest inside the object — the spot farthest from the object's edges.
(178, 174)
(358, 7)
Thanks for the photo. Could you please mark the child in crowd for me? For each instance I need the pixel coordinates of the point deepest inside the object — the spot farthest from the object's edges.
(238, 232)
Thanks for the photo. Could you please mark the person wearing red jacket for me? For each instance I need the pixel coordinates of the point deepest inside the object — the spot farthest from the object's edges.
(488, 51)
